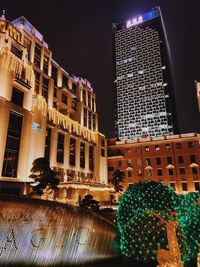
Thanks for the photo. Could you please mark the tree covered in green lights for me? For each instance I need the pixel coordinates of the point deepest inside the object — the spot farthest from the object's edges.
(148, 195)
(142, 233)
(189, 219)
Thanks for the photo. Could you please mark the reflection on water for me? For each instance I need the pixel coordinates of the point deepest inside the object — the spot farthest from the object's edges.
(35, 232)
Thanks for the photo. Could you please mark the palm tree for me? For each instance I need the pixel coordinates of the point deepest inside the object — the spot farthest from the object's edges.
(118, 177)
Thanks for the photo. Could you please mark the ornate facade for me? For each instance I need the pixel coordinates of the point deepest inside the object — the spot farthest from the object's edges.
(45, 112)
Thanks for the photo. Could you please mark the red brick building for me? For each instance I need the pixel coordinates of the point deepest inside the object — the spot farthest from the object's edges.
(174, 160)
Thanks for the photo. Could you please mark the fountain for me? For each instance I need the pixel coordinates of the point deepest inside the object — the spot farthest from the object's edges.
(41, 232)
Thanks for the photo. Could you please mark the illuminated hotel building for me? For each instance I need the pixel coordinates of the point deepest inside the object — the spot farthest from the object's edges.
(46, 112)
(144, 103)
(174, 160)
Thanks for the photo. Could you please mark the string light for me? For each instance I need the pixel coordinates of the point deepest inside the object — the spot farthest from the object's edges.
(141, 233)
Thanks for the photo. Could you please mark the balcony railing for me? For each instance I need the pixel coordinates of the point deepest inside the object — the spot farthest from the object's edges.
(22, 80)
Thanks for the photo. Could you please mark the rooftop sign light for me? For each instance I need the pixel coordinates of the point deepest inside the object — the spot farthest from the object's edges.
(140, 19)
(134, 21)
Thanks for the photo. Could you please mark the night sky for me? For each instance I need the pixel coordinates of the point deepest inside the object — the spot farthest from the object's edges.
(79, 33)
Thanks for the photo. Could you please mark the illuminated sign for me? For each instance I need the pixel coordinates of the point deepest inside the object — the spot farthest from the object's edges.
(134, 21)
(140, 19)
(36, 127)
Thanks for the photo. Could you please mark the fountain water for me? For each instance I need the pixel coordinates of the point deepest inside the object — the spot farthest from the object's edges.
(38, 232)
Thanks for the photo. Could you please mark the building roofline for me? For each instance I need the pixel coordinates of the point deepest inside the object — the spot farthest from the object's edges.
(154, 139)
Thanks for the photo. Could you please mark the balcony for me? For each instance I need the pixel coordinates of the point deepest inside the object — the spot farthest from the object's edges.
(22, 81)
(72, 93)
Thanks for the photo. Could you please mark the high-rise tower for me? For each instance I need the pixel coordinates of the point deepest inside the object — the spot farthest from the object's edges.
(144, 101)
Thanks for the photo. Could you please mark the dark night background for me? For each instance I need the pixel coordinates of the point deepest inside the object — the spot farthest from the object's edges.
(79, 34)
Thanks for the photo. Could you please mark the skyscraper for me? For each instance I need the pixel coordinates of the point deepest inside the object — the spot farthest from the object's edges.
(143, 87)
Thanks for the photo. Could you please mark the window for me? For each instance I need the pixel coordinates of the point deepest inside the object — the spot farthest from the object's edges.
(146, 148)
(74, 88)
(139, 173)
(64, 99)
(46, 64)
(55, 91)
(159, 172)
(89, 99)
(157, 147)
(90, 120)
(158, 161)
(140, 71)
(184, 186)
(197, 186)
(180, 159)
(82, 155)
(72, 152)
(129, 173)
(65, 81)
(45, 85)
(119, 163)
(17, 97)
(194, 171)
(102, 142)
(91, 159)
(190, 144)
(47, 143)
(11, 154)
(94, 122)
(168, 147)
(74, 104)
(182, 171)
(170, 172)
(139, 162)
(37, 55)
(169, 160)
(149, 173)
(148, 162)
(172, 185)
(84, 97)
(110, 169)
(54, 74)
(178, 145)
(192, 159)
(85, 117)
(137, 149)
(60, 148)
(16, 51)
(27, 44)
(129, 163)
(93, 104)
(37, 82)
(102, 152)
